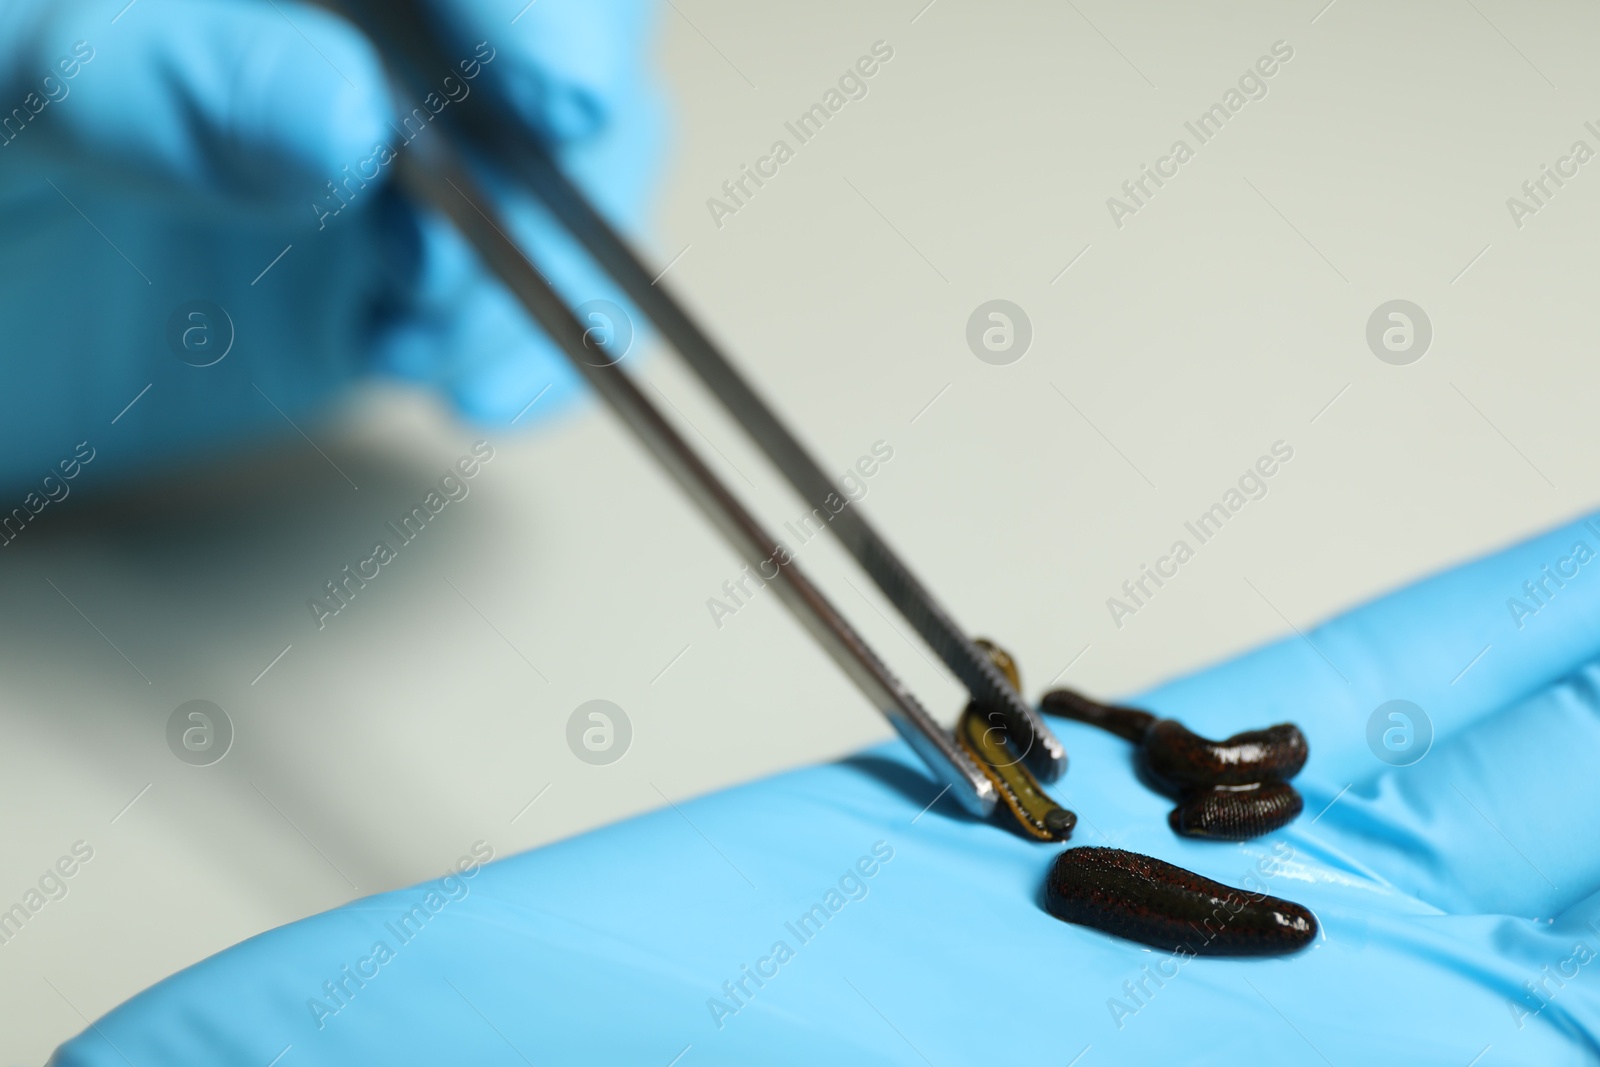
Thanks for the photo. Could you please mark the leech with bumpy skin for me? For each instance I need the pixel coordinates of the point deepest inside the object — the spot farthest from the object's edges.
(1166, 907)
(1231, 790)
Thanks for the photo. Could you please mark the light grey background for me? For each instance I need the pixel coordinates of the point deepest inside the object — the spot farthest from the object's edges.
(1227, 314)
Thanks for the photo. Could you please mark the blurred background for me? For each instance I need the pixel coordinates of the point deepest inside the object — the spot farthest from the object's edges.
(1171, 346)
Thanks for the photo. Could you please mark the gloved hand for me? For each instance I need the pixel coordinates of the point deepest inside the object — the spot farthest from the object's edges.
(161, 153)
(822, 917)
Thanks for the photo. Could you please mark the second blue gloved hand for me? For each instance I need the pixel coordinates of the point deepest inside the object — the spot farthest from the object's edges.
(164, 159)
(824, 917)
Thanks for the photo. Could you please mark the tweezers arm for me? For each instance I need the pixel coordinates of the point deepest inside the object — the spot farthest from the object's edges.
(404, 29)
(1043, 753)
(431, 174)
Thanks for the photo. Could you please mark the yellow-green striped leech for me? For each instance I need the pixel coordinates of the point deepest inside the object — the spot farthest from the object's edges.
(983, 735)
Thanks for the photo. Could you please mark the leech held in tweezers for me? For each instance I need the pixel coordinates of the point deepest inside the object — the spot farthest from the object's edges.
(984, 737)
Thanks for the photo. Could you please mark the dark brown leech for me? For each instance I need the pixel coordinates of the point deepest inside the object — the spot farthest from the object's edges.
(1178, 758)
(1036, 813)
(1130, 724)
(1236, 814)
(1166, 907)
(1232, 790)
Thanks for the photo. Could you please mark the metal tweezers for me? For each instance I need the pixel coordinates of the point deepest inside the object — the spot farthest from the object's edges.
(481, 127)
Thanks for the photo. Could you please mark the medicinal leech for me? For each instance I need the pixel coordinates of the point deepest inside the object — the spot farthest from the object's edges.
(1232, 790)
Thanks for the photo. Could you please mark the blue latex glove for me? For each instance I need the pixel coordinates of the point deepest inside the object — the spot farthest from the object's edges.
(167, 151)
(1446, 890)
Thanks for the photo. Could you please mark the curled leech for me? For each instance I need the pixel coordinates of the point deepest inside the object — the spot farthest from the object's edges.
(1230, 790)
(982, 734)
